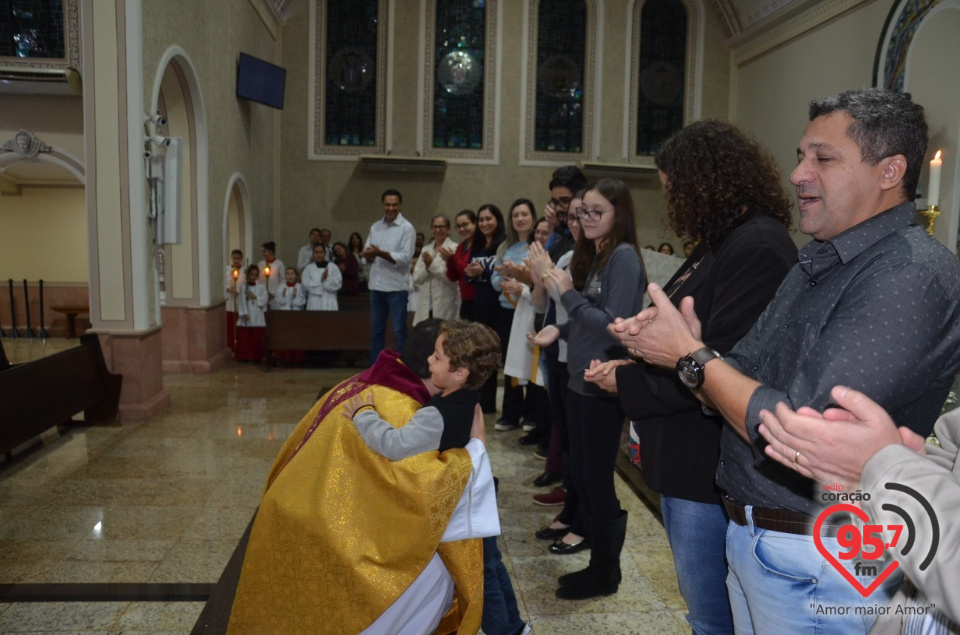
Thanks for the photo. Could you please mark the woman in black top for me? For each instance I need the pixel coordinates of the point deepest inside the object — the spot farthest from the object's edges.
(723, 191)
(483, 254)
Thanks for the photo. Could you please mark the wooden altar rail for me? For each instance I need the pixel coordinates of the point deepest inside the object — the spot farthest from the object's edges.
(38, 395)
(347, 329)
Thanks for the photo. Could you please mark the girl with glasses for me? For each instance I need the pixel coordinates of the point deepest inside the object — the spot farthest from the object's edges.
(608, 281)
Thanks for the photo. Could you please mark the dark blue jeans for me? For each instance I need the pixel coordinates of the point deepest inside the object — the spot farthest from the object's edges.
(384, 305)
(500, 613)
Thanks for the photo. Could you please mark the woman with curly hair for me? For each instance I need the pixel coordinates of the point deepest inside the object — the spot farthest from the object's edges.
(723, 193)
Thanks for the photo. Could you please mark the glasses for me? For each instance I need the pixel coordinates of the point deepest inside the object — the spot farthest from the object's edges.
(563, 201)
(441, 227)
(590, 214)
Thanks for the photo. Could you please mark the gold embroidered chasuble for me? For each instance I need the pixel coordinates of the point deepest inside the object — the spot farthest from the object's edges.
(341, 531)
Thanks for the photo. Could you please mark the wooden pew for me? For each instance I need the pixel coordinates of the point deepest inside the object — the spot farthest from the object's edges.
(47, 392)
(347, 329)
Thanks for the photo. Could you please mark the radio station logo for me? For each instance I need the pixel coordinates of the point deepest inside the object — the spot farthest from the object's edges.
(868, 543)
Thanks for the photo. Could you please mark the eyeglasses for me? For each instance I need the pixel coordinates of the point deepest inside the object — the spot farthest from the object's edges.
(563, 201)
(590, 214)
(440, 227)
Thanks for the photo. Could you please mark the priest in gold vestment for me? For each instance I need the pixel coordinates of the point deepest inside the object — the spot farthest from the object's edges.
(346, 541)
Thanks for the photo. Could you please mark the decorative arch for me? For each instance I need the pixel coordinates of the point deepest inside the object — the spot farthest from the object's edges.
(693, 84)
(57, 156)
(237, 187)
(178, 60)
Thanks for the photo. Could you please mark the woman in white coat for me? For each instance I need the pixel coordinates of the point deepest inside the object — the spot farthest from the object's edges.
(439, 296)
(321, 282)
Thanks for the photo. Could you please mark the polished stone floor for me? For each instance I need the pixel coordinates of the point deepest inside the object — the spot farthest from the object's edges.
(165, 501)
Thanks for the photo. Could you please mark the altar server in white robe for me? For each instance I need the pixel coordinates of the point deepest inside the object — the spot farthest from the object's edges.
(321, 282)
(291, 296)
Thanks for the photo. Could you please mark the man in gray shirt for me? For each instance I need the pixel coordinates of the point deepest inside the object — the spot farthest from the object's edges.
(873, 303)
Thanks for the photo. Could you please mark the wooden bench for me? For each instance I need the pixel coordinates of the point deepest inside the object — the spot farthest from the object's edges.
(71, 312)
(347, 329)
(38, 395)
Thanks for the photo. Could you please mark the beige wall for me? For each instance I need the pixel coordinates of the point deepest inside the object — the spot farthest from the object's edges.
(55, 120)
(773, 91)
(339, 195)
(43, 235)
(240, 133)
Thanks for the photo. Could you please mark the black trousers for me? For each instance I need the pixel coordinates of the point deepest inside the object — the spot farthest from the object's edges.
(594, 425)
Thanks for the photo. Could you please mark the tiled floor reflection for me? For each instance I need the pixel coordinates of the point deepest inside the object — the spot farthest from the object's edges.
(167, 500)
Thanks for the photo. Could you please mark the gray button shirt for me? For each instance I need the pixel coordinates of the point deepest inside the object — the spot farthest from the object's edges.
(876, 308)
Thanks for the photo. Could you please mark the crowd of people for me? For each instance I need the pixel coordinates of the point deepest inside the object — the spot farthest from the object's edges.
(729, 377)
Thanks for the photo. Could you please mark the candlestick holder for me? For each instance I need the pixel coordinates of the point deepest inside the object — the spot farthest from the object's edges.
(930, 217)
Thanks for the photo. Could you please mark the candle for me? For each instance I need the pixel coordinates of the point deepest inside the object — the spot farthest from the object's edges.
(266, 268)
(236, 274)
(933, 195)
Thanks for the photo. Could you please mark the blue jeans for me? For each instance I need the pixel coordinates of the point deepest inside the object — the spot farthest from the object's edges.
(500, 613)
(780, 583)
(697, 532)
(383, 305)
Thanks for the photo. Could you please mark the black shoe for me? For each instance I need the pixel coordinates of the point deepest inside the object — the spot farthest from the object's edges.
(602, 576)
(530, 438)
(502, 425)
(563, 549)
(549, 533)
(547, 478)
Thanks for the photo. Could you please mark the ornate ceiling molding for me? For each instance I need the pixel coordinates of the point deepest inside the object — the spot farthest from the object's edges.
(746, 48)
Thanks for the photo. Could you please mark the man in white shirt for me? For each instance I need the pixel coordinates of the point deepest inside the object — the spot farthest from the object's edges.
(305, 255)
(389, 250)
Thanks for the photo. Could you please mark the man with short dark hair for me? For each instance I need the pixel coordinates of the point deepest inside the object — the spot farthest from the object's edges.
(873, 303)
(389, 249)
(565, 182)
(305, 255)
(325, 238)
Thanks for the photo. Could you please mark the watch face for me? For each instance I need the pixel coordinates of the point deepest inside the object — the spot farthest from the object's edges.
(687, 372)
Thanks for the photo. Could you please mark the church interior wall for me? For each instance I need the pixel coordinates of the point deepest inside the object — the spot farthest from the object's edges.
(240, 134)
(340, 195)
(773, 91)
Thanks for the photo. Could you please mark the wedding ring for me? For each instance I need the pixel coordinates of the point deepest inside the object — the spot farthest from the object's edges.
(796, 457)
(544, 276)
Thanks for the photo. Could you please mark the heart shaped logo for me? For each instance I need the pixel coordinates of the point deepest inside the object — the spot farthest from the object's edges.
(818, 540)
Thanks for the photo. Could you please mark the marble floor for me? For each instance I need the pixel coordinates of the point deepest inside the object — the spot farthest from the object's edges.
(165, 501)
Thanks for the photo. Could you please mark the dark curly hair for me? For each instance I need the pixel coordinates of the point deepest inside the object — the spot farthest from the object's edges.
(715, 171)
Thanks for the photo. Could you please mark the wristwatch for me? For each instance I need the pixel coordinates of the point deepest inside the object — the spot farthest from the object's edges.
(690, 367)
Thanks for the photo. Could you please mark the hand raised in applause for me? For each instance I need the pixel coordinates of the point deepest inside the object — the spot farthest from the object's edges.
(538, 262)
(426, 258)
(660, 334)
(547, 336)
(550, 213)
(474, 269)
(833, 447)
(556, 278)
(445, 253)
(604, 374)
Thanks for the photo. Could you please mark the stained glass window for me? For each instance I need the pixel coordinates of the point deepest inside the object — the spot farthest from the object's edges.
(31, 28)
(561, 58)
(459, 47)
(350, 95)
(662, 67)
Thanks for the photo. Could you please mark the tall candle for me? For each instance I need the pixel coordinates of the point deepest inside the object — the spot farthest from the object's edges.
(933, 195)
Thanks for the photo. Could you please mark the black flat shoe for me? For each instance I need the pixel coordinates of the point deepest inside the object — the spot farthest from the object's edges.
(563, 549)
(549, 533)
(530, 438)
(547, 478)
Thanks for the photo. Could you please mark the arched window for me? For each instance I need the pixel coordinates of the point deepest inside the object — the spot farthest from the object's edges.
(348, 83)
(461, 59)
(667, 46)
(560, 80)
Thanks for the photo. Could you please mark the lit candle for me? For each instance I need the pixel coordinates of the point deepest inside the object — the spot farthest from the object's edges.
(236, 274)
(933, 195)
(266, 268)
